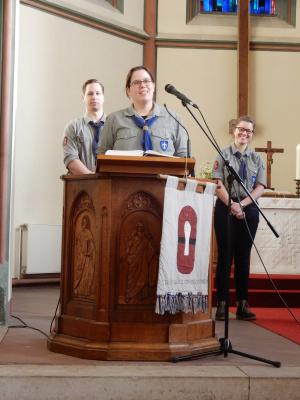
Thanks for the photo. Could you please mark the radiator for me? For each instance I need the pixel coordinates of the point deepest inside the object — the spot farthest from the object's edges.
(40, 249)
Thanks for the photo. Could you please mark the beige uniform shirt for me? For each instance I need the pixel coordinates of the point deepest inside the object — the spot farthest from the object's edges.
(255, 169)
(121, 133)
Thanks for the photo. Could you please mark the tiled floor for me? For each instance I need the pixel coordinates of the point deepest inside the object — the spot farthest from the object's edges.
(36, 306)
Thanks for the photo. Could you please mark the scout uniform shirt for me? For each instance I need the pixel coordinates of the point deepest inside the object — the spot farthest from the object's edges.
(78, 142)
(255, 169)
(120, 132)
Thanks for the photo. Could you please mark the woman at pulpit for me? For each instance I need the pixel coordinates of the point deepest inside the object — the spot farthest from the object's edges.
(244, 216)
(144, 125)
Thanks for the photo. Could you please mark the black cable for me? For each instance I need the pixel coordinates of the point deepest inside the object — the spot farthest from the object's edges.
(25, 325)
(53, 319)
(188, 140)
(210, 132)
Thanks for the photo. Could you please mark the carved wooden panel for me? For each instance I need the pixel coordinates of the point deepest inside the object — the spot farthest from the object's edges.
(138, 249)
(83, 248)
(111, 242)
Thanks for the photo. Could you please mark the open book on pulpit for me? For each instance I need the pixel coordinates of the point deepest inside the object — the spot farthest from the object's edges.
(137, 153)
(133, 162)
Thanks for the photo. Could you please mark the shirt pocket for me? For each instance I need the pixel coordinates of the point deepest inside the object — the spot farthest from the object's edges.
(126, 134)
(126, 139)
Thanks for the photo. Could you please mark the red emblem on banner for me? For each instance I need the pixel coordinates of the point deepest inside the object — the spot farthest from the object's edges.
(187, 232)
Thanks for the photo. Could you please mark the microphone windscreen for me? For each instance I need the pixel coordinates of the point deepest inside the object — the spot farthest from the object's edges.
(169, 88)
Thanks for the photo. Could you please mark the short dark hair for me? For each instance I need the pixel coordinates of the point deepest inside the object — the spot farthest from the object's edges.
(245, 118)
(132, 70)
(93, 80)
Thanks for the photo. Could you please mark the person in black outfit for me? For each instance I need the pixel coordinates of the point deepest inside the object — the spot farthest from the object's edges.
(249, 165)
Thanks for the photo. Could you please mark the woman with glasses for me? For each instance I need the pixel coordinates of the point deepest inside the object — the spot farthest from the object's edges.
(144, 125)
(244, 215)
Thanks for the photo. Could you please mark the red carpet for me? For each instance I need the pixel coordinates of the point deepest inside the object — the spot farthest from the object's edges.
(279, 321)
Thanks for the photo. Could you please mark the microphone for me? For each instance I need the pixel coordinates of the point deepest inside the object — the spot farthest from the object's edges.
(188, 137)
(172, 90)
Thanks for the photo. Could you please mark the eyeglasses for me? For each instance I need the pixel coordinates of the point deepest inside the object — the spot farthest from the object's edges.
(139, 83)
(242, 130)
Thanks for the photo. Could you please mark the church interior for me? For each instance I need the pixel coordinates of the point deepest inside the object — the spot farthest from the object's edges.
(228, 59)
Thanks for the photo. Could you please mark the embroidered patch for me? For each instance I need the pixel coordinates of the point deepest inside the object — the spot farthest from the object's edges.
(65, 142)
(216, 165)
(164, 145)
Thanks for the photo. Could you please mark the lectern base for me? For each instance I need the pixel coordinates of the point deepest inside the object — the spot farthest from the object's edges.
(127, 351)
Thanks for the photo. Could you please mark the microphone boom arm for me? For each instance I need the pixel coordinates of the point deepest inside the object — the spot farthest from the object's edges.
(231, 169)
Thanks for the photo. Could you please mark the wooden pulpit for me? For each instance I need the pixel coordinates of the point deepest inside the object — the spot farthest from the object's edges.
(112, 224)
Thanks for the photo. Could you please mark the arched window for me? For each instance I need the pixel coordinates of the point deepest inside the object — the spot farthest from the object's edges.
(283, 9)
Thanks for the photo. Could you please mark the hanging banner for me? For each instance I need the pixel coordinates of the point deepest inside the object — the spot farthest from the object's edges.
(185, 248)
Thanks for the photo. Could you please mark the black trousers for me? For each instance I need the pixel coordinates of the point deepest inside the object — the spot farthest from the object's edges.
(240, 249)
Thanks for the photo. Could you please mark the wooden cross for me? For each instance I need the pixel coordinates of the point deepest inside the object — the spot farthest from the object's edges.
(269, 151)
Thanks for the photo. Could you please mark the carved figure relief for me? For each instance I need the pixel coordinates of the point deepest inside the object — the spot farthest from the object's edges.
(140, 261)
(138, 248)
(84, 258)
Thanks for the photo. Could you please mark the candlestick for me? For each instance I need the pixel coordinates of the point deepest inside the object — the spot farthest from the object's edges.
(298, 162)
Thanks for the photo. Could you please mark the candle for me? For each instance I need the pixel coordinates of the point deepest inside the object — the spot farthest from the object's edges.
(298, 162)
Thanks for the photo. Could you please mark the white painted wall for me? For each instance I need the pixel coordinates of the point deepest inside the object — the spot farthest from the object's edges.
(274, 100)
(209, 78)
(56, 56)
(132, 17)
(197, 74)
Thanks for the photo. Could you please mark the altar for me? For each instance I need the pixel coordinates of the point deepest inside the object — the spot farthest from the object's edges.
(280, 255)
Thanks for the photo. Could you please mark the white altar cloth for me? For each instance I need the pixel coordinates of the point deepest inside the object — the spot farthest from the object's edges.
(280, 255)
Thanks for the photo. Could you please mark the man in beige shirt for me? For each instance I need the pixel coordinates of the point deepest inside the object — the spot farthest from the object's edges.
(81, 135)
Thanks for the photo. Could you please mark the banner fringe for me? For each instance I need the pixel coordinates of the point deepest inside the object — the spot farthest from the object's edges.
(174, 303)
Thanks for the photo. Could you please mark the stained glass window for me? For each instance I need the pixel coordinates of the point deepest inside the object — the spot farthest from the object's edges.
(282, 9)
(257, 7)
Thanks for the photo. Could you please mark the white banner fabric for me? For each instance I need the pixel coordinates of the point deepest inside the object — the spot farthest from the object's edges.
(185, 248)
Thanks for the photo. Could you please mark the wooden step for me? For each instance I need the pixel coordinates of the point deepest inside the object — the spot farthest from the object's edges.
(262, 293)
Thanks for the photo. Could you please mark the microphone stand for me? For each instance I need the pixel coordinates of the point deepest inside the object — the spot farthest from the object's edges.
(225, 344)
(188, 142)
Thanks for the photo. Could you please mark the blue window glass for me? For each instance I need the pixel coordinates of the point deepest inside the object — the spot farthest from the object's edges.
(257, 7)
